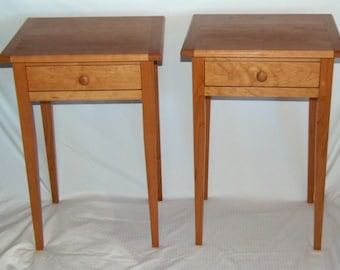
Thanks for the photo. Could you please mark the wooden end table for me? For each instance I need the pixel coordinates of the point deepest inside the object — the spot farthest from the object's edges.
(280, 56)
(81, 59)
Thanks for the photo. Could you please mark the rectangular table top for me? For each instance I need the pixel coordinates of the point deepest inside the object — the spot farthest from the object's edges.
(87, 38)
(266, 35)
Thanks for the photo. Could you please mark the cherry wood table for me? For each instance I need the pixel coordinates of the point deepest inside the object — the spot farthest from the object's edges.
(280, 56)
(89, 58)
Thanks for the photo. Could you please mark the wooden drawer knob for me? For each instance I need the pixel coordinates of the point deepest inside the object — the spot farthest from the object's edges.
(261, 76)
(84, 80)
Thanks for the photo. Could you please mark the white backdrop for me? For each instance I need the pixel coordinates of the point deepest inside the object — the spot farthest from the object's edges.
(258, 148)
(258, 154)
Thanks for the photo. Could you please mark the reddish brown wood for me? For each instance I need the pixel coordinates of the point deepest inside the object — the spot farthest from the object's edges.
(30, 151)
(322, 129)
(159, 162)
(207, 144)
(93, 36)
(47, 119)
(67, 59)
(295, 35)
(334, 35)
(199, 114)
(311, 149)
(4, 59)
(150, 143)
(84, 80)
(261, 76)
(283, 56)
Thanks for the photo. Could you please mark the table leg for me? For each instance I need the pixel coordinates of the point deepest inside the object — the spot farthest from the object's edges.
(150, 144)
(159, 167)
(207, 141)
(30, 151)
(322, 128)
(311, 149)
(199, 115)
(47, 118)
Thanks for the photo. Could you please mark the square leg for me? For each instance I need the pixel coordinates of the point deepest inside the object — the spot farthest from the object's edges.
(30, 151)
(311, 149)
(207, 144)
(47, 119)
(322, 130)
(200, 144)
(159, 163)
(151, 144)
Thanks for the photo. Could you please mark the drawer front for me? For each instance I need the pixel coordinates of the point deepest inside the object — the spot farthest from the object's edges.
(84, 77)
(272, 74)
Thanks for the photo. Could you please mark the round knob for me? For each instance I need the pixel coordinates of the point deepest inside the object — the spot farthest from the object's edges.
(261, 76)
(84, 80)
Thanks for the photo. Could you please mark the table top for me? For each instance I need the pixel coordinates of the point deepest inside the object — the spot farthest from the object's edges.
(86, 39)
(262, 35)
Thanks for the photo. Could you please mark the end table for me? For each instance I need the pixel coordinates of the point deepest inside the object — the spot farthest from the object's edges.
(280, 56)
(81, 59)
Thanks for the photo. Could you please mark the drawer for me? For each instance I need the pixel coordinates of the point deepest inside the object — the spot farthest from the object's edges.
(84, 77)
(271, 74)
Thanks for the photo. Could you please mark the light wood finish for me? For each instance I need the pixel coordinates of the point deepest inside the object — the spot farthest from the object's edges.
(272, 74)
(277, 56)
(269, 53)
(262, 59)
(68, 78)
(98, 59)
(85, 95)
(261, 92)
(64, 59)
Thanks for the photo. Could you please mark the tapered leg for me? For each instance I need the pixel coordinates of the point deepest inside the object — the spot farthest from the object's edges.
(150, 144)
(30, 151)
(207, 141)
(199, 115)
(322, 128)
(47, 117)
(311, 149)
(159, 167)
